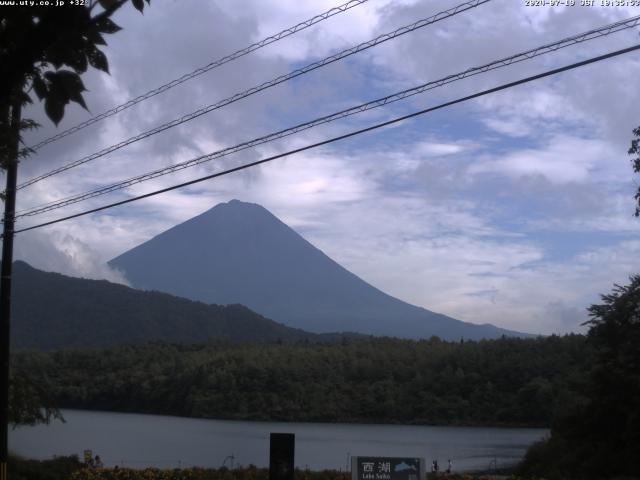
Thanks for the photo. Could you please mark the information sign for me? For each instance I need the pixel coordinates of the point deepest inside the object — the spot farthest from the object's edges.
(387, 468)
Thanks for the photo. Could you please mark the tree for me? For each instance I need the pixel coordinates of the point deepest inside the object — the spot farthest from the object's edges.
(600, 438)
(614, 412)
(43, 51)
(635, 150)
(31, 400)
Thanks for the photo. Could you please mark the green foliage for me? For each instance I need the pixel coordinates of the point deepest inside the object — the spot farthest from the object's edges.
(37, 42)
(58, 468)
(498, 382)
(58, 89)
(30, 400)
(248, 473)
(635, 150)
(600, 436)
(69, 468)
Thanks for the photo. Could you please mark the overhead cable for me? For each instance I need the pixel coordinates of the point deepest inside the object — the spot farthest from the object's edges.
(505, 86)
(519, 57)
(199, 71)
(271, 83)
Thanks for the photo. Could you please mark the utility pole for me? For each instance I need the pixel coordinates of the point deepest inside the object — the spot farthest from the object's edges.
(5, 281)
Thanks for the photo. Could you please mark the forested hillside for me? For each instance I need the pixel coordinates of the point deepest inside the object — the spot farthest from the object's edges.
(54, 311)
(498, 382)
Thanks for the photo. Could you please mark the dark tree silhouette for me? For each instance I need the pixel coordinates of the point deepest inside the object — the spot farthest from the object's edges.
(600, 437)
(43, 50)
(635, 150)
(614, 412)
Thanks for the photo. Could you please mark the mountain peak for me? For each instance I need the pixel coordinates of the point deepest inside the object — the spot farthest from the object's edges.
(237, 202)
(237, 205)
(236, 209)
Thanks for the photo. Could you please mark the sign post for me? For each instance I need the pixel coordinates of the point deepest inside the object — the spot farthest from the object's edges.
(282, 456)
(387, 468)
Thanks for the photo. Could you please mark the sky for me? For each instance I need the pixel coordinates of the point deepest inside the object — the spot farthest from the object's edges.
(514, 209)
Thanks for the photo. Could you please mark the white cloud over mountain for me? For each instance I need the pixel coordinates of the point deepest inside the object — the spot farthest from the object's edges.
(473, 211)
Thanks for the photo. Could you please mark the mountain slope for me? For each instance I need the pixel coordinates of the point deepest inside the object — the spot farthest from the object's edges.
(50, 311)
(239, 252)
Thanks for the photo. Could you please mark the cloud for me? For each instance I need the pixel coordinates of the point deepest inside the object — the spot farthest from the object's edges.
(562, 160)
(448, 211)
(66, 254)
(437, 149)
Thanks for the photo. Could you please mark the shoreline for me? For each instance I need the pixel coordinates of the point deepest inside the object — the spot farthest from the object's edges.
(71, 468)
(501, 426)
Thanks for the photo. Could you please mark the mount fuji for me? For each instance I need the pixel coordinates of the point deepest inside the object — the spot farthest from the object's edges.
(239, 252)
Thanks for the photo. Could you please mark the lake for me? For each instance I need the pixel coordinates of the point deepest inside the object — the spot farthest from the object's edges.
(138, 441)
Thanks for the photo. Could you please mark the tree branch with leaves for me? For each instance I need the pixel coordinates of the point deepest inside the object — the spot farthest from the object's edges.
(635, 150)
(44, 50)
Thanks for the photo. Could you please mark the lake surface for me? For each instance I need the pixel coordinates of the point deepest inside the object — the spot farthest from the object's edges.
(138, 441)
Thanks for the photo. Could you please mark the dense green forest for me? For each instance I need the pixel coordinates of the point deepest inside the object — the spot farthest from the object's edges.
(508, 381)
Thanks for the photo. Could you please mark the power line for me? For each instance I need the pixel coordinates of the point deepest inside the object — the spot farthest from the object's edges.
(199, 71)
(588, 35)
(271, 83)
(591, 34)
(342, 137)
